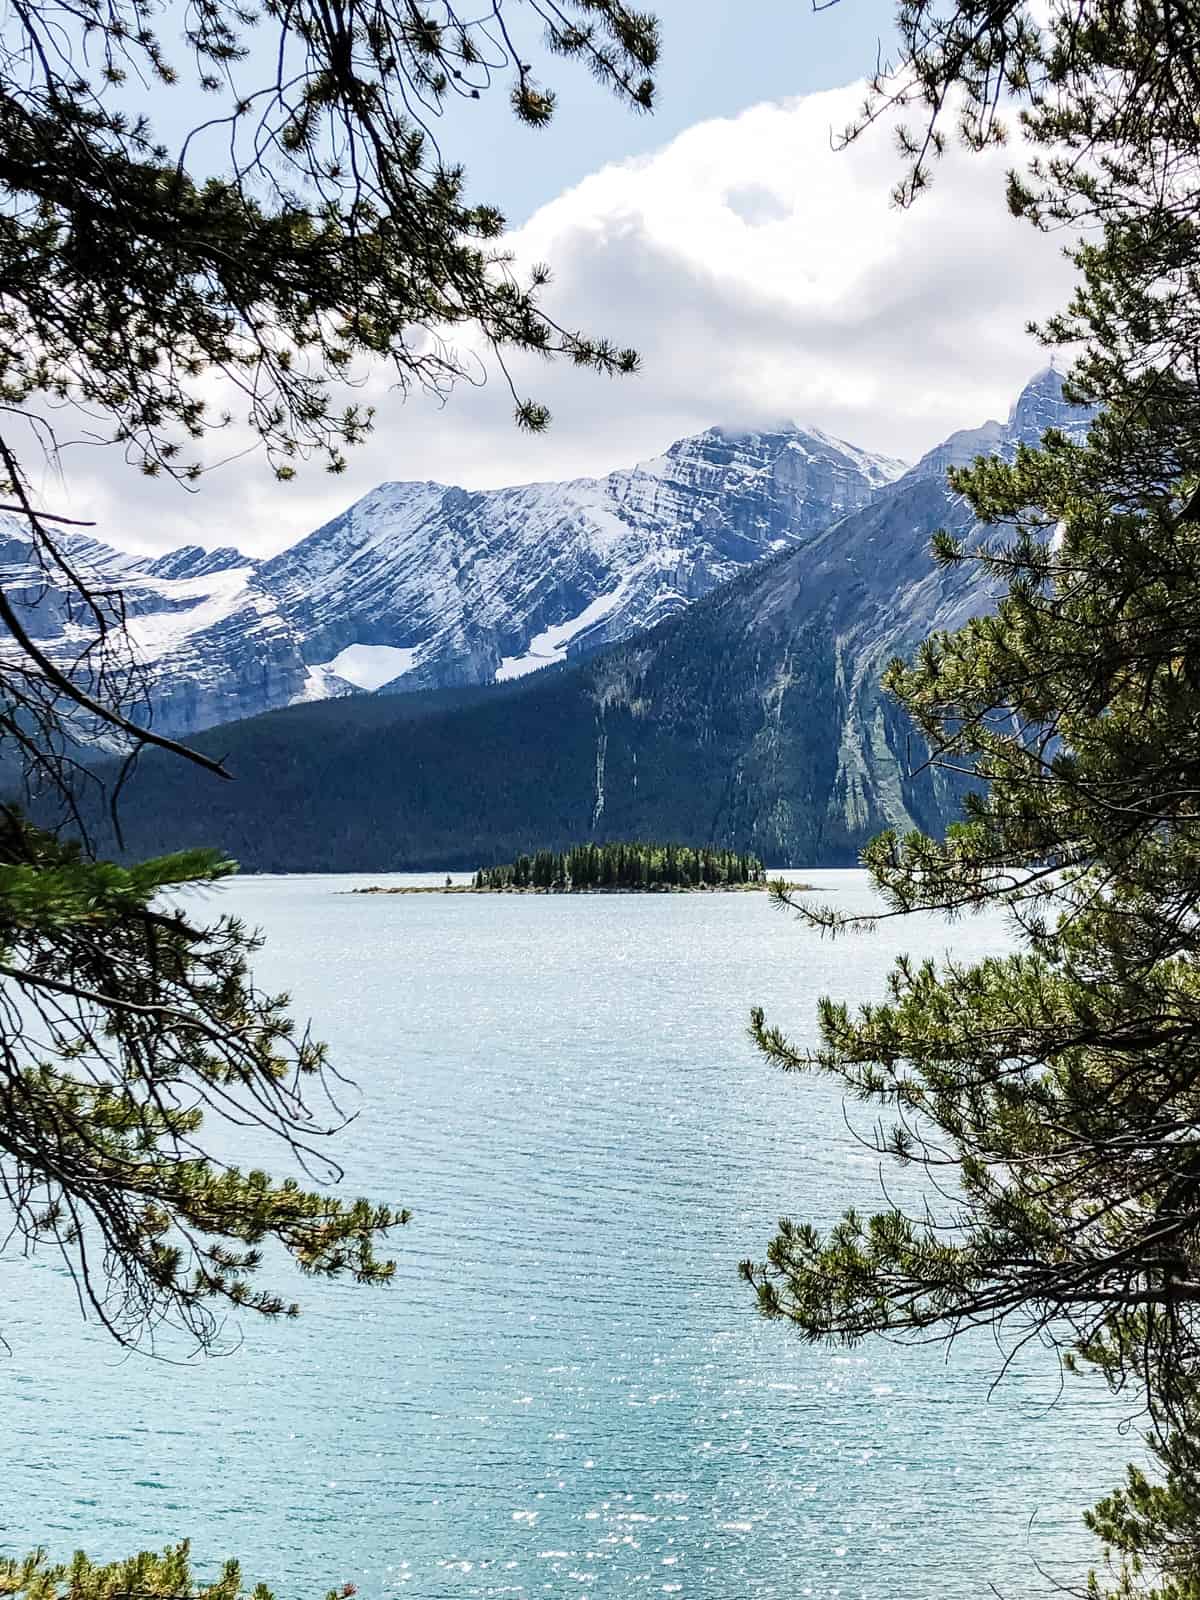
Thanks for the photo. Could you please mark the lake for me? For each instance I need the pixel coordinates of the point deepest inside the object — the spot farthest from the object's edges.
(567, 1391)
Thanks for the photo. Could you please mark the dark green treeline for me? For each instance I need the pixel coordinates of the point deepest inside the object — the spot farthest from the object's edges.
(625, 866)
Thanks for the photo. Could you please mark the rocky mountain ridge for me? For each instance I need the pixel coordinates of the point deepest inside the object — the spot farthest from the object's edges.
(420, 585)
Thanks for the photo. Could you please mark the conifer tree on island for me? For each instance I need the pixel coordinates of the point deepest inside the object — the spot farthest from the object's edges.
(1061, 1085)
(308, 228)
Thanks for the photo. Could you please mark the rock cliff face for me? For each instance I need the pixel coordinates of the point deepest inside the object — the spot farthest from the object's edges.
(423, 586)
(752, 719)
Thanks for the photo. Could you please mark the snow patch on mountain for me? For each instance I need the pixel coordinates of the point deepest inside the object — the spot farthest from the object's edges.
(320, 683)
(370, 666)
(189, 606)
(550, 647)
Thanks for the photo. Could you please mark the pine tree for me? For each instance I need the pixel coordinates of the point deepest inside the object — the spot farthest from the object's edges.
(627, 865)
(150, 1576)
(322, 233)
(1065, 1078)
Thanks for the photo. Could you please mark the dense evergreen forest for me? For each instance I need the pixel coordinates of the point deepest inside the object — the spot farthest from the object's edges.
(633, 865)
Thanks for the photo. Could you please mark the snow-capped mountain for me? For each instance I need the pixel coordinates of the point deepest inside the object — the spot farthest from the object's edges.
(1039, 407)
(420, 585)
(426, 586)
(212, 640)
(754, 718)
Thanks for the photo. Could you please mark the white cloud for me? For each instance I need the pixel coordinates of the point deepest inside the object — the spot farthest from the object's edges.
(761, 274)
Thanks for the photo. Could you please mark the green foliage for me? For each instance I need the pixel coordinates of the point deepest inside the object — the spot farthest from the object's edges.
(132, 1024)
(624, 865)
(1061, 1084)
(321, 229)
(149, 1576)
(308, 228)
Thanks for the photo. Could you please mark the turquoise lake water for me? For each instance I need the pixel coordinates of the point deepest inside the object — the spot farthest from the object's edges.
(567, 1391)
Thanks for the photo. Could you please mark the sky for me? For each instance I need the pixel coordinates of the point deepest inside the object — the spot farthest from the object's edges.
(762, 274)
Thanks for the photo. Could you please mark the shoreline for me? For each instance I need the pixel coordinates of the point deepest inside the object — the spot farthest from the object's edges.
(660, 888)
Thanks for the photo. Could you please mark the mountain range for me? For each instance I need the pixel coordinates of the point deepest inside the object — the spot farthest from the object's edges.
(423, 586)
(751, 717)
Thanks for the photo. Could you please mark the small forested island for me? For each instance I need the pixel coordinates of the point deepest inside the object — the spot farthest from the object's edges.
(624, 868)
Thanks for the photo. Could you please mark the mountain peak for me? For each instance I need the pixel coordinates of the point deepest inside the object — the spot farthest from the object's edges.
(771, 442)
(1048, 379)
(1040, 405)
(193, 561)
(423, 585)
